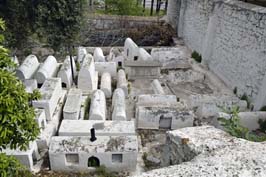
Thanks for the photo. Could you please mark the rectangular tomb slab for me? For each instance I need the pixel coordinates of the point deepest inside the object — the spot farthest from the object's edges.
(28, 157)
(51, 92)
(106, 128)
(51, 127)
(78, 153)
(161, 117)
(73, 103)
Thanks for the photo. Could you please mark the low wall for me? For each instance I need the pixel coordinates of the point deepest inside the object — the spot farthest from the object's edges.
(111, 30)
(231, 36)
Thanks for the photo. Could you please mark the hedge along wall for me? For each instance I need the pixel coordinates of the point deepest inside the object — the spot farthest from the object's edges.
(231, 36)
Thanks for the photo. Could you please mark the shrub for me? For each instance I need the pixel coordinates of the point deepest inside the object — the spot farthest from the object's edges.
(234, 128)
(196, 56)
(10, 167)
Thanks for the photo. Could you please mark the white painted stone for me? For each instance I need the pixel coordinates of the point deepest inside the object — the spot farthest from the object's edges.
(46, 70)
(131, 50)
(162, 117)
(51, 92)
(87, 78)
(98, 55)
(110, 67)
(144, 55)
(98, 106)
(52, 126)
(28, 68)
(27, 157)
(171, 57)
(106, 85)
(154, 99)
(106, 128)
(82, 52)
(114, 52)
(30, 85)
(40, 119)
(71, 154)
(122, 81)
(207, 151)
(119, 105)
(73, 103)
(65, 72)
(157, 87)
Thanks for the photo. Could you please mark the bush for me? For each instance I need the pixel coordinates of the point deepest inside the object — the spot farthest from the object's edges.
(234, 128)
(10, 167)
(196, 56)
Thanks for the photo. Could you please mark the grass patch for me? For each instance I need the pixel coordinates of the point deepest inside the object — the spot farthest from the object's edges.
(196, 56)
(87, 108)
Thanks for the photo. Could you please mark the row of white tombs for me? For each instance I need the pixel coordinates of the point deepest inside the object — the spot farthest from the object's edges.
(87, 136)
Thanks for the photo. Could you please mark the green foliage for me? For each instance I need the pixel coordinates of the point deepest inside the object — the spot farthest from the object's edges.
(19, 17)
(60, 21)
(87, 108)
(78, 66)
(263, 108)
(123, 7)
(196, 56)
(10, 167)
(262, 124)
(234, 128)
(17, 124)
(101, 171)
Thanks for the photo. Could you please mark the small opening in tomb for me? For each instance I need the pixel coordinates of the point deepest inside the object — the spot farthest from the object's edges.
(120, 63)
(127, 52)
(117, 158)
(177, 99)
(136, 58)
(39, 85)
(165, 122)
(72, 158)
(93, 162)
(34, 158)
(64, 85)
(163, 84)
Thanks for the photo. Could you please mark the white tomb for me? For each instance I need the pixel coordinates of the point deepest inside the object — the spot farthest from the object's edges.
(73, 103)
(47, 70)
(110, 67)
(82, 52)
(88, 78)
(28, 158)
(98, 55)
(51, 91)
(40, 119)
(106, 128)
(162, 112)
(157, 87)
(131, 50)
(106, 85)
(119, 105)
(30, 85)
(65, 73)
(78, 153)
(98, 106)
(28, 68)
(144, 55)
(122, 81)
(52, 126)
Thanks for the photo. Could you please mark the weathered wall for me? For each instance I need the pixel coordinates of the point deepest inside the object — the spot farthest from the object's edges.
(111, 30)
(231, 36)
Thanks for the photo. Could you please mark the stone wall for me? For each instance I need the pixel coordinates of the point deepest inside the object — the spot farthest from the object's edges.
(231, 36)
(111, 30)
